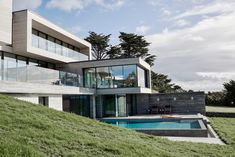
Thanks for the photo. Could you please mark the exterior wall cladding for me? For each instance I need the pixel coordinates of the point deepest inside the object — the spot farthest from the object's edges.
(180, 103)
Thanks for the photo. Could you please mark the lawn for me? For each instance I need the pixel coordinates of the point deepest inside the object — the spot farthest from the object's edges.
(32, 130)
(222, 109)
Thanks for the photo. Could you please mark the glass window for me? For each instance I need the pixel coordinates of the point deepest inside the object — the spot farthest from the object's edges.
(21, 69)
(65, 49)
(77, 49)
(58, 47)
(82, 57)
(1, 69)
(35, 38)
(42, 64)
(77, 104)
(141, 77)
(90, 79)
(121, 105)
(10, 67)
(109, 106)
(51, 44)
(130, 76)
(33, 62)
(117, 76)
(103, 77)
(42, 41)
(70, 51)
(50, 66)
(72, 79)
(43, 100)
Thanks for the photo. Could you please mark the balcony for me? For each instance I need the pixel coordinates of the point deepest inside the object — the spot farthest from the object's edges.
(39, 75)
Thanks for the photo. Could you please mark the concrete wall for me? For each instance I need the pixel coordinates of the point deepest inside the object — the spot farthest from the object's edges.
(55, 101)
(142, 103)
(35, 88)
(6, 21)
(28, 98)
(181, 103)
(24, 21)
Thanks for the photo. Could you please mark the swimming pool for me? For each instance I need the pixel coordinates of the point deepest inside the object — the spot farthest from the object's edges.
(155, 124)
(163, 127)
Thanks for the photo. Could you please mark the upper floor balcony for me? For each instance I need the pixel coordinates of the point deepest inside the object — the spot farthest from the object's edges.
(20, 69)
(36, 37)
(129, 75)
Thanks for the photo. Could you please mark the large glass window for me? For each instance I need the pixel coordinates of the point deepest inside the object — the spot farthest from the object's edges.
(121, 105)
(65, 49)
(32, 62)
(112, 77)
(21, 69)
(35, 38)
(48, 43)
(103, 77)
(109, 106)
(141, 77)
(70, 51)
(10, 67)
(51, 44)
(58, 47)
(42, 41)
(130, 76)
(78, 104)
(117, 76)
(89, 78)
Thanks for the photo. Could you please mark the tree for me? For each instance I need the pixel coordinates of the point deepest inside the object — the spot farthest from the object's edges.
(215, 98)
(133, 45)
(114, 52)
(162, 84)
(230, 92)
(99, 44)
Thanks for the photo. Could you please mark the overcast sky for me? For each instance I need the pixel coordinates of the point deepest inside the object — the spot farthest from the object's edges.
(194, 40)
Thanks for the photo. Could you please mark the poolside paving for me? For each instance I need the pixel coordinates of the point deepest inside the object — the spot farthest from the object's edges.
(208, 140)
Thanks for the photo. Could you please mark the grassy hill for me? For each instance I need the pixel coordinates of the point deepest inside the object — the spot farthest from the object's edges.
(32, 130)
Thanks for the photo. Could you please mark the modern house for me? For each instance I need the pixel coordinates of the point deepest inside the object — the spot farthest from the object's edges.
(42, 63)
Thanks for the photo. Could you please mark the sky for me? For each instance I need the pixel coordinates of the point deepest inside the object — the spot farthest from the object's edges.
(194, 40)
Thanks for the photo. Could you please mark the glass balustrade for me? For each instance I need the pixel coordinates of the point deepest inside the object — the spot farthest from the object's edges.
(34, 74)
(51, 44)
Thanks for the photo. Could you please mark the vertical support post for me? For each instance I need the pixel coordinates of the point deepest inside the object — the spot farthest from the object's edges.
(93, 107)
(116, 105)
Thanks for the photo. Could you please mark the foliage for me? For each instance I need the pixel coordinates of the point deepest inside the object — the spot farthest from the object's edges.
(223, 98)
(100, 44)
(215, 98)
(134, 45)
(230, 93)
(32, 130)
(162, 84)
(114, 52)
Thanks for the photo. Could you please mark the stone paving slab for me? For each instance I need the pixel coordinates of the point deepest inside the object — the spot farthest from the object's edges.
(197, 140)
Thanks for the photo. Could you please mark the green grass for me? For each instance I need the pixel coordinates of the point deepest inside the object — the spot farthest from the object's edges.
(32, 130)
(221, 109)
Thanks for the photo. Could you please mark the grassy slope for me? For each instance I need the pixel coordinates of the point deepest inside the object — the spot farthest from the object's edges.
(32, 130)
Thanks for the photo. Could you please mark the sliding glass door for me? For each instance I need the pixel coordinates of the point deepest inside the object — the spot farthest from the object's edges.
(121, 105)
(114, 105)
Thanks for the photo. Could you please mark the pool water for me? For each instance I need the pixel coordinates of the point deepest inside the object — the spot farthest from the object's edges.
(155, 123)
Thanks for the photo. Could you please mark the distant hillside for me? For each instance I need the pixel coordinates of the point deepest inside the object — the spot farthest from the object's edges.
(32, 130)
